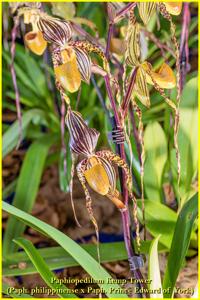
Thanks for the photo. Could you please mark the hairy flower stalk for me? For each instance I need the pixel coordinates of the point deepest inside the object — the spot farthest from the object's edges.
(184, 49)
(165, 10)
(134, 267)
(161, 79)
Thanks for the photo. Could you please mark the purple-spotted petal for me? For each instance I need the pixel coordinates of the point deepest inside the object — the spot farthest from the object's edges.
(84, 64)
(83, 139)
(55, 30)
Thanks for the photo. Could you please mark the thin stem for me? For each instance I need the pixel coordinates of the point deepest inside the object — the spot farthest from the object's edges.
(184, 48)
(125, 214)
(110, 33)
(14, 79)
(126, 101)
(127, 239)
(124, 11)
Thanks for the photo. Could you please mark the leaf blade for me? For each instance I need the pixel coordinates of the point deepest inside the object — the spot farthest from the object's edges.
(82, 257)
(42, 267)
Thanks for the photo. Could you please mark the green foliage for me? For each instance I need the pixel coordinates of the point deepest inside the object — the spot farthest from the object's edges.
(27, 187)
(187, 140)
(43, 268)
(85, 260)
(160, 219)
(154, 269)
(57, 258)
(180, 243)
(156, 156)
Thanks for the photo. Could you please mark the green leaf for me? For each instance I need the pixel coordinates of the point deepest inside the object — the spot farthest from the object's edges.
(160, 219)
(154, 270)
(180, 243)
(11, 136)
(57, 258)
(81, 256)
(13, 292)
(27, 187)
(156, 156)
(43, 269)
(187, 140)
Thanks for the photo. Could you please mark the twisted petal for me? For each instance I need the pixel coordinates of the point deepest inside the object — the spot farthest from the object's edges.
(84, 64)
(55, 30)
(141, 88)
(83, 139)
(146, 11)
(133, 54)
(164, 77)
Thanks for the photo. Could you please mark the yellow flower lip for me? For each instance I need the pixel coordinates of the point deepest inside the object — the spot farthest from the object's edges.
(67, 73)
(97, 179)
(164, 77)
(174, 8)
(35, 42)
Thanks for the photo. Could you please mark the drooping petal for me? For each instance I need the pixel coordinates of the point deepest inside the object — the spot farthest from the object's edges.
(55, 30)
(83, 139)
(141, 88)
(164, 77)
(174, 8)
(84, 64)
(146, 11)
(133, 53)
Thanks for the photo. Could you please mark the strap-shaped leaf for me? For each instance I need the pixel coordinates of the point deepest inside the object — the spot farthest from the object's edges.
(84, 64)
(141, 88)
(146, 11)
(133, 53)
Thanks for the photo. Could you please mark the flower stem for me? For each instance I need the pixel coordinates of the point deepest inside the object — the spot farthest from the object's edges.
(14, 79)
